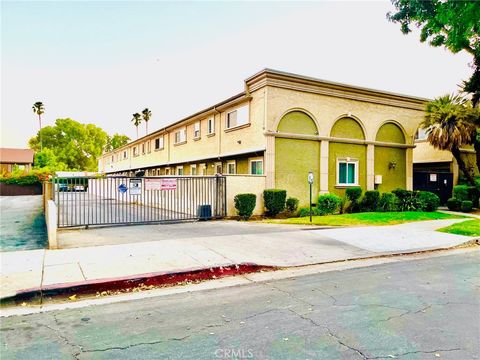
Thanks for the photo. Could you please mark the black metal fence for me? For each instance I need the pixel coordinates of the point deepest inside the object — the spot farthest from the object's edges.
(88, 201)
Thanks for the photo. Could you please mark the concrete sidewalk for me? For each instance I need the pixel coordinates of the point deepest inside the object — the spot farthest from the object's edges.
(24, 270)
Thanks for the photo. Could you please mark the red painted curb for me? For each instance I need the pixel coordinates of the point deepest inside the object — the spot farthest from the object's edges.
(156, 279)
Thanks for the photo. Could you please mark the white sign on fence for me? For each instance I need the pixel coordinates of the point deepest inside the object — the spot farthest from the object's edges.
(169, 184)
(153, 184)
(135, 186)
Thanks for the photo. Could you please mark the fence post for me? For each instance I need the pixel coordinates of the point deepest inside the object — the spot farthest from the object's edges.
(51, 220)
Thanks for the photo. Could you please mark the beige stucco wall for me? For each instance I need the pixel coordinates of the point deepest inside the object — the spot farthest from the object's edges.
(240, 184)
(224, 142)
(327, 109)
(424, 153)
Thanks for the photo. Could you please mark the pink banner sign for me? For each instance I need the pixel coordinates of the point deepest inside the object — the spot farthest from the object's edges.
(153, 184)
(169, 184)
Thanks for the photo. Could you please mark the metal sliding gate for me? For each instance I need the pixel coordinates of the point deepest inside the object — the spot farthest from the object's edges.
(85, 201)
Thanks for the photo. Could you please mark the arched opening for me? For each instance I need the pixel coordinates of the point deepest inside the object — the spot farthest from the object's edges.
(390, 162)
(297, 122)
(390, 132)
(347, 128)
(295, 157)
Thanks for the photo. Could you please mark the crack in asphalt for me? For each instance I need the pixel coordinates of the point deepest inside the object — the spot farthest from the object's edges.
(330, 333)
(414, 352)
(64, 338)
(350, 347)
(135, 345)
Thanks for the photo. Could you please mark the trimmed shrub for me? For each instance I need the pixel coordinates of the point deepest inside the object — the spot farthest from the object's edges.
(328, 204)
(454, 204)
(274, 200)
(407, 200)
(370, 200)
(388, 202)
(461, 192)
(474, 194)
(428, 201)
(291, 204)
(305, 211)
(245, 203)
(466, 206)
(353, 195)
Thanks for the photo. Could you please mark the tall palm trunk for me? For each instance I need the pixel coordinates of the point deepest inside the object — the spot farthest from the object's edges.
(40, 132)
(461, 165)
(476, 146)
(146, 126)
(137, 130)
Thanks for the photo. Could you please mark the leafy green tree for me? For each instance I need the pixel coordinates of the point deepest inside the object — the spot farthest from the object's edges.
(46, 159)
(39, 109)
(116, 141)
(137, 119)
(146, 114)
(76, 145)
(450, 124)
(450, 23)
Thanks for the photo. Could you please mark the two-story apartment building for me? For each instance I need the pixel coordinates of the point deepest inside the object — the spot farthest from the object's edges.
(281, 127)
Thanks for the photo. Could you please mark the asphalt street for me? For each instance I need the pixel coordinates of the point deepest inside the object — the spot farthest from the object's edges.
(420, 309)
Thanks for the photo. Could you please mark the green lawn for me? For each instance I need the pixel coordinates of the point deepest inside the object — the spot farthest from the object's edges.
(467, 228)
(368, 218)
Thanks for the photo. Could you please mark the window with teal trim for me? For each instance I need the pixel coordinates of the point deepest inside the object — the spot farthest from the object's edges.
(347, 172)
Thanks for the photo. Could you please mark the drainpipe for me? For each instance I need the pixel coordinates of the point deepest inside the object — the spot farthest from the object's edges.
(220, 129)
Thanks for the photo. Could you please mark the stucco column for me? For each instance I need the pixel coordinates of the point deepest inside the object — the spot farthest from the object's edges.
(370, 167)
(270, 163)
(409, 169)
(324, 147)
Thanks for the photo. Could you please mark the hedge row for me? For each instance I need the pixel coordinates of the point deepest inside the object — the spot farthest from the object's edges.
(275, 201)
(372, 200)
(464, 198)
(21, 177)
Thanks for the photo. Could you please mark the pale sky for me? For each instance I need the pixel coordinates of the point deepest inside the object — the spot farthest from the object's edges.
(99, 62)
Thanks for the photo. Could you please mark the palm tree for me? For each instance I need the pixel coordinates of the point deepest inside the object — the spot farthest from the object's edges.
(448, 120)
(137, 119)
(147, 114)
(39, 109)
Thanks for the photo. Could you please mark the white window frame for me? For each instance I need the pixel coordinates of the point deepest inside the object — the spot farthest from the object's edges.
(211, 126)
(421, 134)
(348, 160)
(197, 130)
(125, 154)
(143, 148)
(179, 167)
(149, 146)
(180, 138)
(202, 169)
(250, 161)
(234, 163)
(242, 117)
(193, 167)
(167, 171)
(160, 143)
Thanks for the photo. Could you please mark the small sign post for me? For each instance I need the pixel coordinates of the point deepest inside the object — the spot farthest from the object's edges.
(310, 182)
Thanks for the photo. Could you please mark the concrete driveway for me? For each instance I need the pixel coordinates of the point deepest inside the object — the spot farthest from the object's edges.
(22, 223)
(114, 235)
